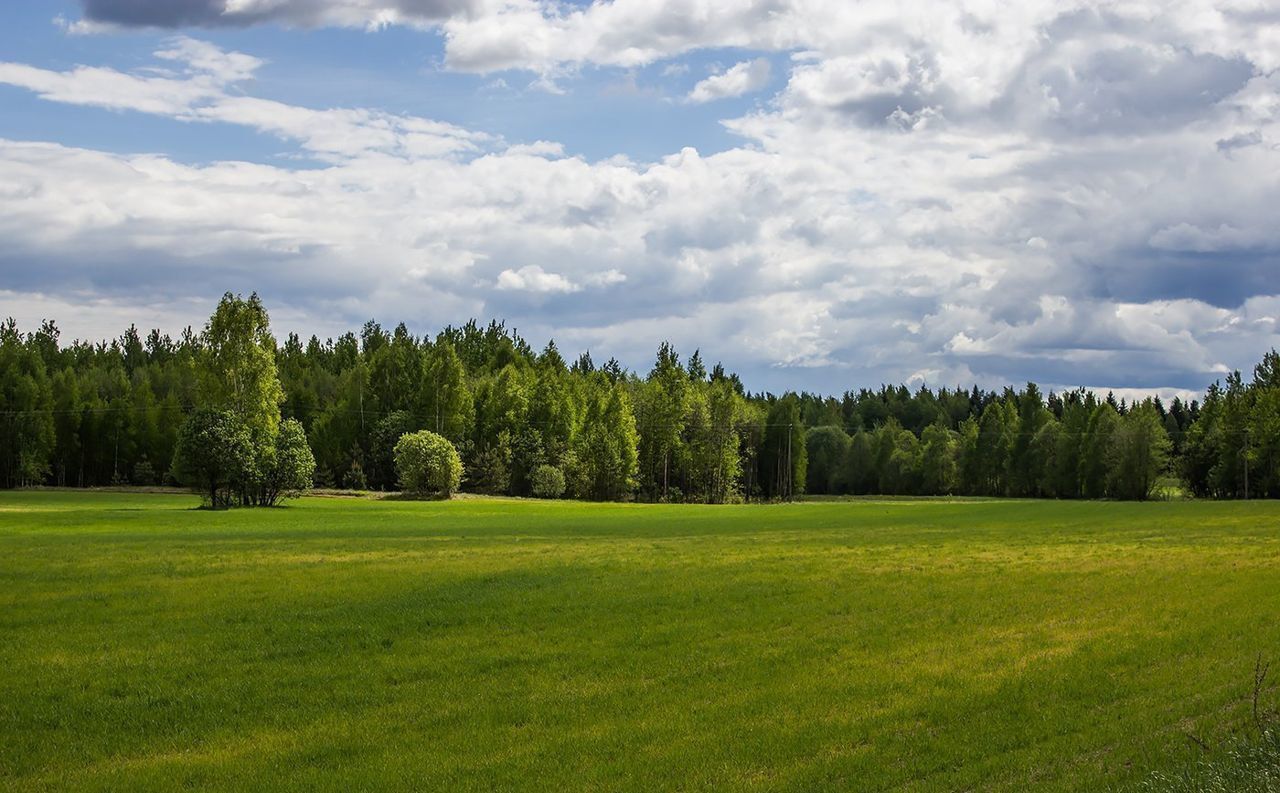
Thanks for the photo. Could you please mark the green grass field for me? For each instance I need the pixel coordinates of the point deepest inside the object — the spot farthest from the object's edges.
(350, 644)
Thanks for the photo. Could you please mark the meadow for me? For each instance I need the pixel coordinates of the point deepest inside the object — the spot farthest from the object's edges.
(489, 644)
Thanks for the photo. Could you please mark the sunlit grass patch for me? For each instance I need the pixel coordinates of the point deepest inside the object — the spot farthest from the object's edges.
(483, 644)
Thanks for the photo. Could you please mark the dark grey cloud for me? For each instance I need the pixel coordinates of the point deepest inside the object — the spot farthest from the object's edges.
(1220, 278)
(1239, 141)
(163, 14)
(160, 275)
(1146, 369)
(214, 13)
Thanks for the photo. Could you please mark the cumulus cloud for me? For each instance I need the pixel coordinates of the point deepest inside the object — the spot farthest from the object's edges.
(532, 278)
(975, 48)
(741, 78)
(970, 192)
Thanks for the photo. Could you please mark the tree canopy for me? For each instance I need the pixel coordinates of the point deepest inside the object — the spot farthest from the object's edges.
(88, 414)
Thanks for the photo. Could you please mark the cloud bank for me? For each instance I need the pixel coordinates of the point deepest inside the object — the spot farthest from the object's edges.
(1076, 193)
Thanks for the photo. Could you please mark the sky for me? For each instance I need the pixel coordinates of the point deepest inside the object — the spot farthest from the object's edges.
(822, 194)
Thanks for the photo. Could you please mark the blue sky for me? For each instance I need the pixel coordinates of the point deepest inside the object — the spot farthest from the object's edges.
(633, 112)
(821, 194)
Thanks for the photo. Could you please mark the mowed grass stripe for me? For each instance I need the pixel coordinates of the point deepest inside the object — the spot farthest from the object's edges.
(493, 644)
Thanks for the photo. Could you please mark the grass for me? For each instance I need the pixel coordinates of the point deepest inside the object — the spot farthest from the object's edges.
(1247, 765)
(351, 644)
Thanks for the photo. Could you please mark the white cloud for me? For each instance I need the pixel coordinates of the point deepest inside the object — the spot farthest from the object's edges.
(976, 47)
(741, 78)
(539, 148)
(532, 278)
(112, 89)
(201, 92)
(610, 277)
(201, 57)
(997, 193)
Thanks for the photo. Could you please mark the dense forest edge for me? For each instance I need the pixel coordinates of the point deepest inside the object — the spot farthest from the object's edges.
(245, 420)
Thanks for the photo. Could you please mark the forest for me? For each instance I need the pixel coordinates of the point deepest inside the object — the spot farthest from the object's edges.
(113, 412)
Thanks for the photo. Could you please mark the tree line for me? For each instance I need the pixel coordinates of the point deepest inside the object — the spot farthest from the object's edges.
(527, 422)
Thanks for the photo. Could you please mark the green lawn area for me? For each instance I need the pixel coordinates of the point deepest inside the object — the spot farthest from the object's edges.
(350, 644)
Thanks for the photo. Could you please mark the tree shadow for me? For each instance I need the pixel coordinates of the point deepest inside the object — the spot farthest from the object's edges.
(417, 497)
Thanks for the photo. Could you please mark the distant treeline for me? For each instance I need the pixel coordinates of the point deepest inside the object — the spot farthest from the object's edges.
(90, 414)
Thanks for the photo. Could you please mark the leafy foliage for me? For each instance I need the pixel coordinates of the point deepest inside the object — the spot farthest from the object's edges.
(291, 468)
(382, 445)
(214, 455)
(252, 458)
(237, 366)
(548, 482)
(427, 463)
(92, 414)
(26, 427)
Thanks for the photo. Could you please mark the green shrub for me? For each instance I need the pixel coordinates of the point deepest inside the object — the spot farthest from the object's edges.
(291, 468)
(547, 481)
(427, 463)
(213, 454)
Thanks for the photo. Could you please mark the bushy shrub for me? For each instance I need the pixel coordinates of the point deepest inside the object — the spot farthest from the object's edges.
(547, 481)
(216, 457)
(292, 467)
(212, 455)
(427, 463)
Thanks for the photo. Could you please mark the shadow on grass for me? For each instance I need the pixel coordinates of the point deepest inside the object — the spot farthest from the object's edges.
(416, 497)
